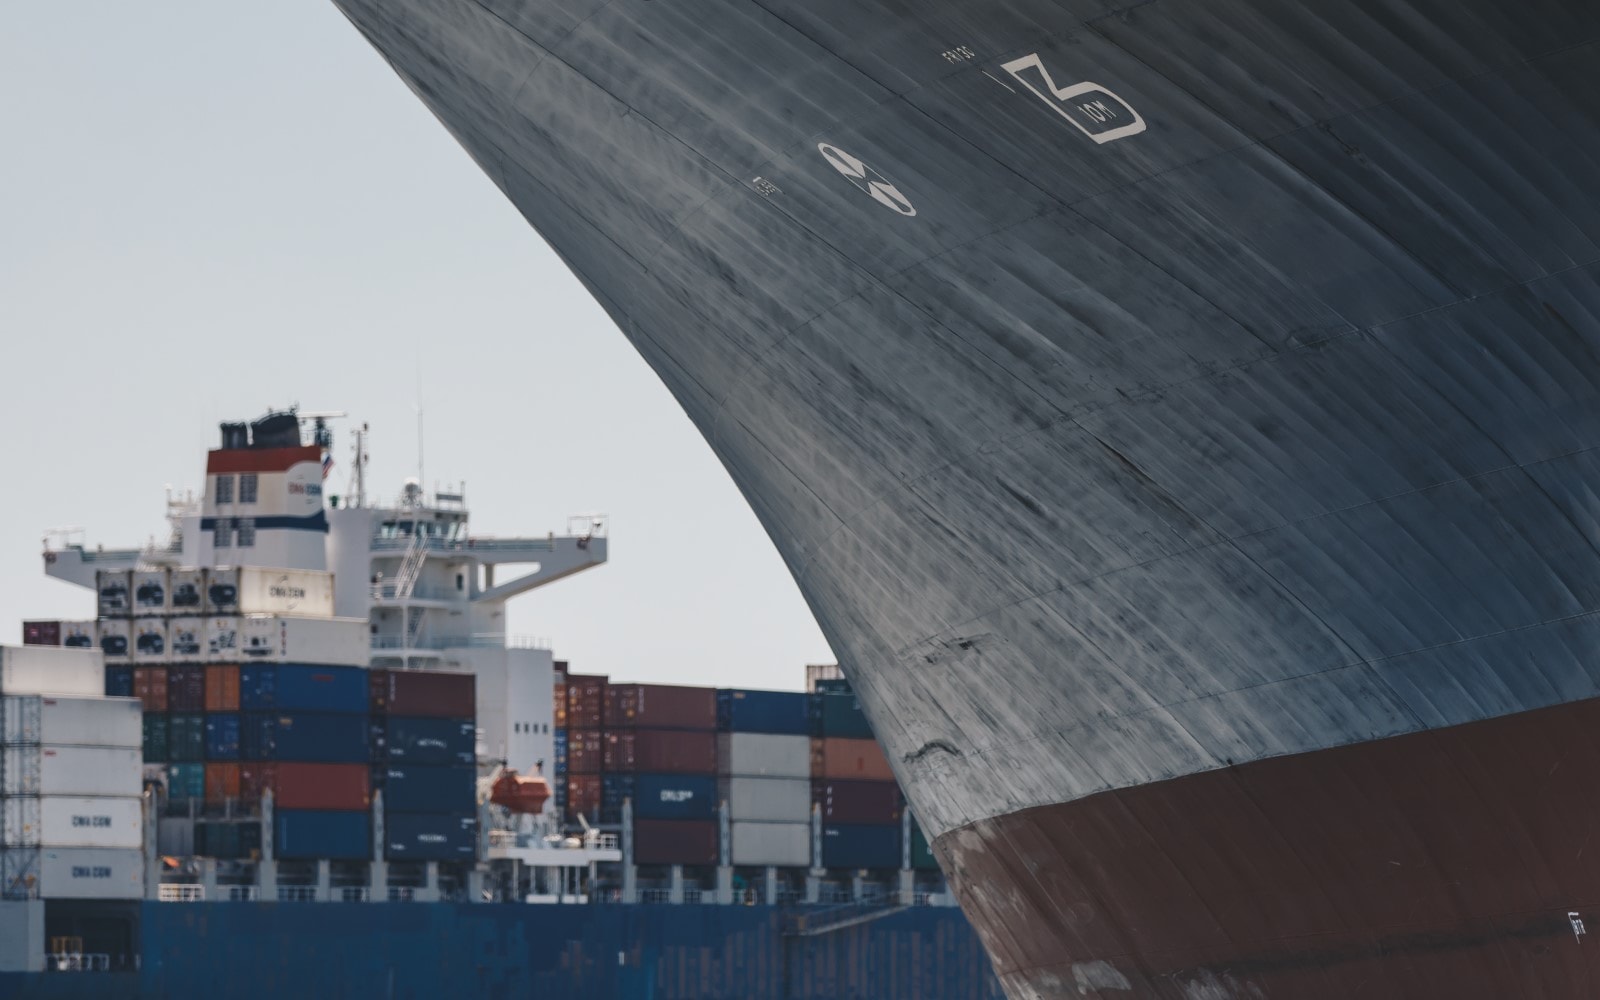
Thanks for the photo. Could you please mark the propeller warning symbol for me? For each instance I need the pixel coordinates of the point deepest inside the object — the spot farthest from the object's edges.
(867, 179)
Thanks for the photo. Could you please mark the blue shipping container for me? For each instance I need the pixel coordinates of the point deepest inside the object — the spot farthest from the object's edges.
(222, 736)
(321, 833)
(302, 687)
(321, 737)
(186, 781)
(763, 712)
(424, 789)
(429, 837)
(860, 846)
(412, 740)
(119, 681)
(674, 796)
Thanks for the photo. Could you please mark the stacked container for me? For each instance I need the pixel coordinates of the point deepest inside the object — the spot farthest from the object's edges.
(584, 736)
(422, 740)
(70, 779)
(661, 752)
(765, 755)
(852, 785)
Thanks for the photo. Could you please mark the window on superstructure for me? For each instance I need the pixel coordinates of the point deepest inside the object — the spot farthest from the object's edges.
(222, 534)
(247, 533)
(224, 489)
(247, 487)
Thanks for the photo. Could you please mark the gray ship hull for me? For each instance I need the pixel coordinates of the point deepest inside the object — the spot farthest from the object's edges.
(1180, 416)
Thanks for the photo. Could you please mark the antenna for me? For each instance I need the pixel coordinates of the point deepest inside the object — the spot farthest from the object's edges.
(420, 480)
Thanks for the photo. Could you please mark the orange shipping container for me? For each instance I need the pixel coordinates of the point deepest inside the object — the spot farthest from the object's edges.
(150, 687)
(222, 782)
(859, 760)
(222, 688)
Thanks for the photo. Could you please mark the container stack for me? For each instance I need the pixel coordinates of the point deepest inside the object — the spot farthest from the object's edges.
(585, 747)
(70, 780)
(423, 740)
(660, 751)
(764, 749)
(852, 785)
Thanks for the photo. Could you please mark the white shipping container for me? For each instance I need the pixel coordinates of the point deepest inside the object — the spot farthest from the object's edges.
(769, 800)
(51, 670)
(188, 591)
(71, 821)
(152, 592)
(186, 639)
(764, 755)
(114, 637)
(150, 640)
(79, 635)
(222, 639)
(115, 592)
(65, 770)
(298, 592)
(783, 844)
(222, 591)
(74, 872)
(93, 722)
(282, 639)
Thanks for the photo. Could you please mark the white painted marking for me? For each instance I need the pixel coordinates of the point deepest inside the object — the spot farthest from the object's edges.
(1001, 82)
(1082, 104)
(1098, 976)
(867, 179)
(765, 187)
(1576, 921)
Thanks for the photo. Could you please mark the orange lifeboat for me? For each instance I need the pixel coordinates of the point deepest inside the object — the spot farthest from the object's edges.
(519, 793)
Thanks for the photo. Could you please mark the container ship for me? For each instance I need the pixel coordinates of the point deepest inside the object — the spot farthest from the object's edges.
(308, 697)
(1179, 414)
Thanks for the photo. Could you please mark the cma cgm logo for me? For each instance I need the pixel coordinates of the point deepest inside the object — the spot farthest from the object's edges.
(676, 795)
(290, 593)
(91, 821)
(305, 489)
(1094, 110)
(91, 871)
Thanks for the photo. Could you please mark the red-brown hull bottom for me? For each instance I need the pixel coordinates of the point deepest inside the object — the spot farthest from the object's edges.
(1440, 864)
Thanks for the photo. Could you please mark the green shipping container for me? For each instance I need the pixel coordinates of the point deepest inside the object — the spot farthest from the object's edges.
(227, 840)
(186, 738)
(186, 781)
(922, 857)
(840, 715)
(155, 737)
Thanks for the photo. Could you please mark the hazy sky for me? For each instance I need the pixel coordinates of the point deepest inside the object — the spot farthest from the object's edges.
(211, 209)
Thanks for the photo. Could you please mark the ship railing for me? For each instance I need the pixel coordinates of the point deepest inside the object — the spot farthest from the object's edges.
(77, 961)
(402, 894)
(297, 894)
(353, 894)
(476, 640)
(391, 592)
(181, 892)
(694, 894)
(789, 896)
(655, 895)
(241, 893)
(439, 543)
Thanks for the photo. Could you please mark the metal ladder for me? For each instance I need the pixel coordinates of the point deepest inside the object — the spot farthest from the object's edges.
(411, 566)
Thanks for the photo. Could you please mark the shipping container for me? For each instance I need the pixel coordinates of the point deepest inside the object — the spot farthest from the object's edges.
(80, 635)
(186, 639)
(328, 737)
(222, 782)
(860, 846)
(288, 639)
(764, 755)
(560, 700)
(67, 770)
(782, 844)
(839, 715)
(228, 839)
(222, 687)
(288, 687)
(784, 712)
(321, 833)
(56, 719)
(151, 592)
(662, 751)
(71, 821)
(155, 734)
(300, 593)
(186, 781)
(586, 750)
(222, 735)
(308, 786)
(188, 591)
(586, 701)
(674, 842)
(412, 740)
(49, 670)
(849, 759)
(856, 802)
(186, 737)
(768, 800)
(222, 591)
(659, 706)
(922, 857)
(150, 686)
(420, 788)
(584, 796)
(186, 689)
(119, 681)
(673, 796)
(114, 639)
(150, 640)
(429, 837)
(424, 694)
(90, 873)
(222, 639)
(41, 633)
(115, 592)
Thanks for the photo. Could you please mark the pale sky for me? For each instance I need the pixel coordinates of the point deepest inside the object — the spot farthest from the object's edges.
(207, 210)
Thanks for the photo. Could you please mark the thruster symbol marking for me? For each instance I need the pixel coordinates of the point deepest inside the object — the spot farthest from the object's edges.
(867, 179)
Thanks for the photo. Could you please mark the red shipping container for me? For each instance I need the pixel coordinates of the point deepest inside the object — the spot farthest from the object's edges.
(222, 782)
(850, 759)
(186, 689)
(41, 633)
(222, 688)
(660, 706)
(428, 694)
(585, 751)
(150, 687)
(321, 786)
(675, 842)
(875, 802)
(660, 751)
(583, 796)
(586, 701)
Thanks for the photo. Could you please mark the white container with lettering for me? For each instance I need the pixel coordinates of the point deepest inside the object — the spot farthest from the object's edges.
(59, 770)
(222, 639)
(150, 640)
(296, 592)
(186, 639)
(72, 821)
(114, 588)
(282, 639)
(152, 592)
(188, 595)
(90, 873)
